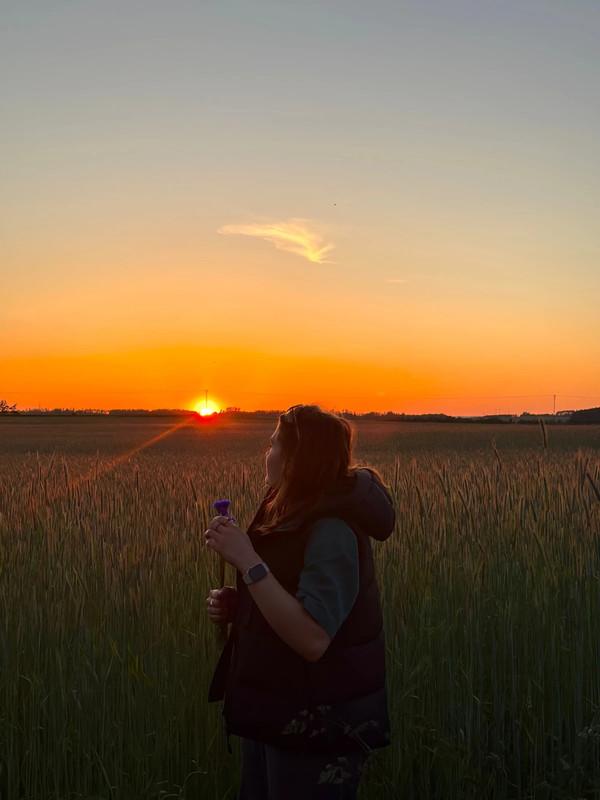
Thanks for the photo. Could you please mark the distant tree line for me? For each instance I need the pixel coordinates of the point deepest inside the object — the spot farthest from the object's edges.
(588, 416)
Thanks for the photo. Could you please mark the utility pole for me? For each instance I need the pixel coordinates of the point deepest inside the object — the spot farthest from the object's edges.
(554, 412)
(206, 398)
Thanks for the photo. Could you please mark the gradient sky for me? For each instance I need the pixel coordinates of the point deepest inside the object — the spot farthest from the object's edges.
(370, 205)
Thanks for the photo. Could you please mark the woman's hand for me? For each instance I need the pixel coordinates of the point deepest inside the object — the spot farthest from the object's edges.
(231, 543)
(221, 605)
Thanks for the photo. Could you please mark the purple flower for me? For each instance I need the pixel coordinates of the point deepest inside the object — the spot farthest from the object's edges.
(222, 509)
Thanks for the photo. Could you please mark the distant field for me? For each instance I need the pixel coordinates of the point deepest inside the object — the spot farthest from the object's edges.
(116, 435)
(490, 587)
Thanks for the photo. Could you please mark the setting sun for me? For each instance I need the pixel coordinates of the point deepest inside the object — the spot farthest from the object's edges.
(205, 409)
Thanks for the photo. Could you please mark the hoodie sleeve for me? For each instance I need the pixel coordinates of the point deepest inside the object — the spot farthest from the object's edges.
(329, 582)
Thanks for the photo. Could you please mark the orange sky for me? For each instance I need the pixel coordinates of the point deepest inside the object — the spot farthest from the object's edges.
(255, 207)
(177, 378)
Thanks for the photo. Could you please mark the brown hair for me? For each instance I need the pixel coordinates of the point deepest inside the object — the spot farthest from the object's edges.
(317, 451)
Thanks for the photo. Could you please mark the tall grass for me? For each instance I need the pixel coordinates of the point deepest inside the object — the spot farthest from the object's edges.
(492, 599)
(490, 588)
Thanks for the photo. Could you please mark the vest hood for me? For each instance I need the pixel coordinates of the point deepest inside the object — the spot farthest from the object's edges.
(367, 507)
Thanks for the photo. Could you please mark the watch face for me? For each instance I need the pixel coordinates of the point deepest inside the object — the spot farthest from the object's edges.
(257, 571)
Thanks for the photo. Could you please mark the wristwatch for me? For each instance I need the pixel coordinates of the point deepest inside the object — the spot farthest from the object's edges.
(256, 573)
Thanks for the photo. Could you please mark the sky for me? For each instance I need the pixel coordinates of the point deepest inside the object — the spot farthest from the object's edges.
(367, 205)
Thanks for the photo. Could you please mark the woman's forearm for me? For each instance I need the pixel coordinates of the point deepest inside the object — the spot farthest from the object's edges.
(283, 612)
(287, 617)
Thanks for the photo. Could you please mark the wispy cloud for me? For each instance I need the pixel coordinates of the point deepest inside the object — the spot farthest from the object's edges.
(397, 280)
(297, 236)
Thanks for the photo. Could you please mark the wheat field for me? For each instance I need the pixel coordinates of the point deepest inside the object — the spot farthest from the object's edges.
(490, 588)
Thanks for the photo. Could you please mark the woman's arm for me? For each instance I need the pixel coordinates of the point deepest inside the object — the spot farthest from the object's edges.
(282, 611)
(286, 615)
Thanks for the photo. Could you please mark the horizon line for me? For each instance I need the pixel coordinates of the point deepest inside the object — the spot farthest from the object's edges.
(60, 411)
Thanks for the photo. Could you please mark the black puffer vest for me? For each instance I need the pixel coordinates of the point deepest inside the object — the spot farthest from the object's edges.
(337, 704)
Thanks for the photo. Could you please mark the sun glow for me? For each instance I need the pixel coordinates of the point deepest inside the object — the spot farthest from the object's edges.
(206, 409)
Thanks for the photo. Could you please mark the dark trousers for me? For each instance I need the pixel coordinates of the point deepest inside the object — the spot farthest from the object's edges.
(270, 773)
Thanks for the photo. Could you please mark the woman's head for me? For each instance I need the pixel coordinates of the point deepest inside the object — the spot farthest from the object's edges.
(311, 452)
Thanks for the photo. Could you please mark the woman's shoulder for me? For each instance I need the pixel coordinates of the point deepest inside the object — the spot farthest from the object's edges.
(331, 535)
(331, 526)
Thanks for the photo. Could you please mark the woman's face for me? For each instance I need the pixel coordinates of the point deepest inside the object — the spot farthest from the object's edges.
(274, 460)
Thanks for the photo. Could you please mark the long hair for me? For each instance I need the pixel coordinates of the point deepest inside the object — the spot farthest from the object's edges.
(318, 456)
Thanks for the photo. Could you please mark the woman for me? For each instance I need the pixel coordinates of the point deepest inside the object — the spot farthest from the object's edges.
(302, 674)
